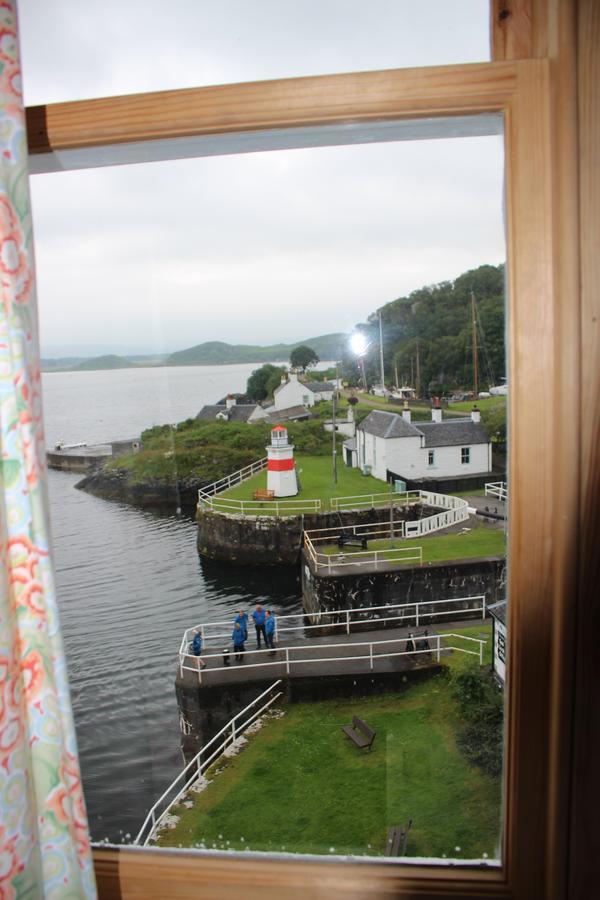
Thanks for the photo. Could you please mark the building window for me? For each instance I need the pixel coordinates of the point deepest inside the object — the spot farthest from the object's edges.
(465, 455)
(431, 457)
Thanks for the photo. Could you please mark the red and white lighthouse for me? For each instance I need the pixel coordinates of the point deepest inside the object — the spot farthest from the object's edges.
(281, 471)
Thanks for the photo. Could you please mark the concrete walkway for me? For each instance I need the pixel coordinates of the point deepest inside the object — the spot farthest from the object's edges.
(340, 659)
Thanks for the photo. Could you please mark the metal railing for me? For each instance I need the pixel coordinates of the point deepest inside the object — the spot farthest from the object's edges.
(201, 762)
(288, 657)
(362, 558)
(229, 481)
(419, 612)
(258, 507)
(375, 501)
(497, 489)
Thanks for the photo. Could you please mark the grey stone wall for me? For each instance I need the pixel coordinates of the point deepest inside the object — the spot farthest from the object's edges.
(268, 541)
(437, 581)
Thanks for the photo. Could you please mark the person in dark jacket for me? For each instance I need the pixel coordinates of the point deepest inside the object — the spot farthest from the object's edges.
(259, 623)
(242, 618)
(410, 644)
(238, 642)
(270, 630)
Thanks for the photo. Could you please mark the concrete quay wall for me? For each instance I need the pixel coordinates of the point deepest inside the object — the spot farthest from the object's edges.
(433, 581)
(271, 540)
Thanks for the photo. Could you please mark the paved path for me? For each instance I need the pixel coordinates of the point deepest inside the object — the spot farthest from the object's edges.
(339, 659)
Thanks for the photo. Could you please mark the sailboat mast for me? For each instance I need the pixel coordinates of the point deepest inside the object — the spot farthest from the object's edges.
(418, 384)
(475, 365)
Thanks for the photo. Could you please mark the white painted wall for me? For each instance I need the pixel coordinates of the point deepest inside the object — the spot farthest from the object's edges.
(293, 393)
(343, 426)
(407, 457)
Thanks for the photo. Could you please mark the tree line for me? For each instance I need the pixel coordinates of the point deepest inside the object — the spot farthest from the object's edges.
(427, 336)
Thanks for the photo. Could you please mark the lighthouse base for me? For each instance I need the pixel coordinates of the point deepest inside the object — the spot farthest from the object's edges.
(283, 484)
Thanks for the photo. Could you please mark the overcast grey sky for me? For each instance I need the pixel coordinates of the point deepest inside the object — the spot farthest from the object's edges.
(261, 247)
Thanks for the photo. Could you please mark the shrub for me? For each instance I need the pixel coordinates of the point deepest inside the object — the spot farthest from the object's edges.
(481, 707)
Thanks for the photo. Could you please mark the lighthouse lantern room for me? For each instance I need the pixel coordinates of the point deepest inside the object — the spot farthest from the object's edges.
(281, 471)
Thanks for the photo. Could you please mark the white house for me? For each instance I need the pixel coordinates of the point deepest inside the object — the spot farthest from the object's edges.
(438, 449)
(293, 392)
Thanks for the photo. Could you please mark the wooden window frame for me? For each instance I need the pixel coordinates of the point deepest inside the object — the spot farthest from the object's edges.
(533, 83)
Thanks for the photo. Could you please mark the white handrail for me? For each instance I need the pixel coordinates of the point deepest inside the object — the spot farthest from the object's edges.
(383, 498)
(198, 766)
(412, 610)
(223, 484)
(288, 652)
(498, 489)
(258, 507)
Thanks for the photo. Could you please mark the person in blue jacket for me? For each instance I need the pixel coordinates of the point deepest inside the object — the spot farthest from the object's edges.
(270, 630)
(197, 649)
(242, 618)
(259, 623)
(238, 642)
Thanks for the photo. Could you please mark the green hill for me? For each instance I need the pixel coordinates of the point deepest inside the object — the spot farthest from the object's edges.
(103, 362)
(219, 353)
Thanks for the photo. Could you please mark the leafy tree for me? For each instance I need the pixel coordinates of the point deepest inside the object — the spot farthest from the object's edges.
(263, 381)
(493, 419)
(303, 357)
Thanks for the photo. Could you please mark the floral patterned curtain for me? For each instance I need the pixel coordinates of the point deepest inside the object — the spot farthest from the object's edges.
(44, 843)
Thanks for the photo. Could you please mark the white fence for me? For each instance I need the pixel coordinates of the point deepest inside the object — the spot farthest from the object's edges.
(375, 501)
(229, 481)
(201, 762)
(289, 657)
(371, 559)
(455, 510)
(497, 489)
(219, 633)
(258, 507)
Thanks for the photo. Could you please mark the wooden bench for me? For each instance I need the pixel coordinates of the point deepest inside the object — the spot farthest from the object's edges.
(352, 540)
(360, 733)
(263, 494)
(397, 838)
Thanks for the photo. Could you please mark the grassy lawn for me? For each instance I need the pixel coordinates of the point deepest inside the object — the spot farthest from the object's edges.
(316, 480)
(300, 785)
(484, 403)
(479, 541)
(418, 413)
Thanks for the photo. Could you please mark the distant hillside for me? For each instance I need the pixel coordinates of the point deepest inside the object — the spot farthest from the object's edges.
(62, 362)
(103, 362)
(219, 353)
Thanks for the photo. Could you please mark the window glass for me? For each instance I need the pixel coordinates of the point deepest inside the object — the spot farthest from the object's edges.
(73, 50)
(183, 279)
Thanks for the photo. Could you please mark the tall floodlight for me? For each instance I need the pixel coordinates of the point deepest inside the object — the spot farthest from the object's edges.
(381, 350)
(359, 346)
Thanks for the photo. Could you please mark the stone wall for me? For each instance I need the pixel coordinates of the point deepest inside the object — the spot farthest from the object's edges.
(268, 541)
(435, 581)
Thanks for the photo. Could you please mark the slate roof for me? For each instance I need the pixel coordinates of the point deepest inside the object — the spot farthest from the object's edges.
(498, 610)
(448, 433)
(387, 425)
(350, 444)
(288, 414)
(239, 413)
(319, 387)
